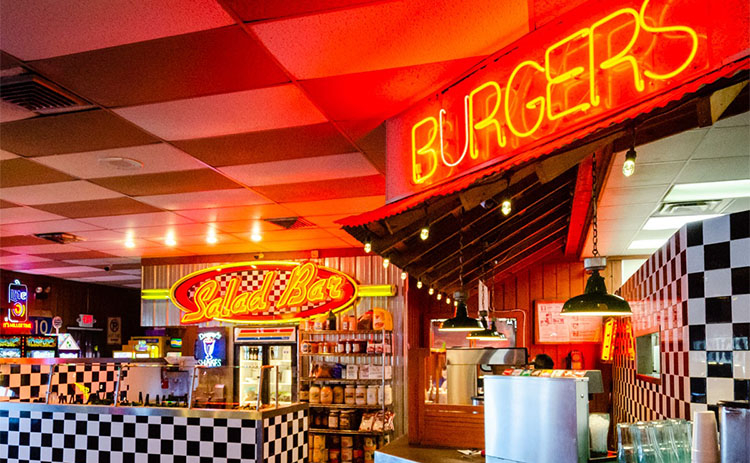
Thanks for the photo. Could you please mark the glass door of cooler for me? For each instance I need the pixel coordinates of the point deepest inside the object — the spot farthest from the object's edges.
(282, 356)
(251, 361)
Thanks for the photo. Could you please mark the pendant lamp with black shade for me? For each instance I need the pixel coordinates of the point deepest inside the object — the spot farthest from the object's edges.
(461, 320)
(595, 301)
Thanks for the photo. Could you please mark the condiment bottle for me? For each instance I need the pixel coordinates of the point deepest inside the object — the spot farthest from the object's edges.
(331, 322)
(361, 395)
(314, 394)
(326, 395)
(338, 394)
(372, 395)
(333, 419)
(350, 395)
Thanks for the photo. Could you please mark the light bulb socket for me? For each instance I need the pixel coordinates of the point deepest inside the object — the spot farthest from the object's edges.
(628, 167)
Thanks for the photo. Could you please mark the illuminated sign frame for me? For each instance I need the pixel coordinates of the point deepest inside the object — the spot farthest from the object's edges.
(18, 297)
(325, 288)
(210, 348)
(559, 80)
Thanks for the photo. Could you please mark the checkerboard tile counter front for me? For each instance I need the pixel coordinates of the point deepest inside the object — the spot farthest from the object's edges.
(61, 433)
(695, 292)
(28, 383)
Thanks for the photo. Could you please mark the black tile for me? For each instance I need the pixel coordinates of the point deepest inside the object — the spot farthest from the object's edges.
(207, 434)
(697, 337)
(741, 335)
(695, 233)
(718, 309)
(698, 390)
(166, 447)
(742, 389)
(154, 431)
(193, 447)
(739, 225)
(716, 256)
(719, 364)
(141, 445)
(741, 280)
(695, 285)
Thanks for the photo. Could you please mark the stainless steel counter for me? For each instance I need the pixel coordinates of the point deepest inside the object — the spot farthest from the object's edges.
(399, 451)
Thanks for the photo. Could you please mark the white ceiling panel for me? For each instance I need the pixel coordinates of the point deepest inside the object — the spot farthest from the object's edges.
(100, 235)
(204, 199)
(21, 259)
(137, 220)
(675, 148)
(130, 271)
(7, 155)
(69, 269)
(49, 226)
(337, 206)
(710, 170)
(10, 112)
(646, 173)
(44, 249)
(105, 261)
(724, 142)
(109, 278)
(392, 34)
(117, 247)
(634, 195)
(62, 192)
(739, 120)
(25, 214)
(155, 158)
(302, 170)
(160, 231)
(223, 214)
(62, 28)
(229, 113)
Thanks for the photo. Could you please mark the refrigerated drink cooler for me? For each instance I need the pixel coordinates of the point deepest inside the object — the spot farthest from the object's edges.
(267, 361)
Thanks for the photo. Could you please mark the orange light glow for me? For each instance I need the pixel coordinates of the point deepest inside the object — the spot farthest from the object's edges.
(425, 150)
(608, 344)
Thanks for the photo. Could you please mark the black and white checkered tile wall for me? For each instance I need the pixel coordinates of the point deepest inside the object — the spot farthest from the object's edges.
(27, 383)
(285, 439)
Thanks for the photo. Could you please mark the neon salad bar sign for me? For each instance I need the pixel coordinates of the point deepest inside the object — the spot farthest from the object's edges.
(564, 78)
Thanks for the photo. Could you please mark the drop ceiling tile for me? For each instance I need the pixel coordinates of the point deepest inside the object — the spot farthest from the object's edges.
(204, 199)
(268, 145)
(675, 148)
(292, 235)
(384, 93)
(225, 114)
(632, 195)
(370, 141)
(216, 249)
(160, 232)
(7, 155)
(130, 272)
(24, 214)
(269, 9)
(196, 240)
(10, 112)
(20, 172)
(137, 220)
(716, 169)
(104, 261)
(98, 208)
(347, 206)
(331, 167)
(739, 120)
(100, 235)
(7, 204)
(332, 243)
(167, 182)
(244, 227)
(61, 192)
(236, 213)
(20, 259)
(48, 226)
(64, 270)
(724, 142)
(73, 276)
(209, 62)
(48, 250)
(626, 211)
(111, 278)
(117, 247)
(415, 32)
(646, 174)
(92, 24)
(21, 240)
(163, 251)
(156, 157)
(327, 189)
(70, 133)
(327, 221)
(76, 255)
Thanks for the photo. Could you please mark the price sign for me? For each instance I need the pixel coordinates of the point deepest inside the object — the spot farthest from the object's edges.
(41, 325)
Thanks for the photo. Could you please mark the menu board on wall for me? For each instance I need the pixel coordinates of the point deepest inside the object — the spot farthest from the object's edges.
(553, 328)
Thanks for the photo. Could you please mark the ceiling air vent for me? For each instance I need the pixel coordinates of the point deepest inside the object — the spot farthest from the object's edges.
(693, 207)
(37, 94)
(60, 237)
(291, 223)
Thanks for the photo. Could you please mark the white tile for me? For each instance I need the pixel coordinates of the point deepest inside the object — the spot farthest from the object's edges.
(717, 282)
(697, 408)
(719, 336)
(694, 256)
(739, 252)
(47, 226)
(10, 215)
(20, 259)
(697, 367)
(716, 230)
(741, 308)
(93, 24)
(696, 311)
(718, 389)
(138, 220)
(155, 158)
(61, 192)
(229, 113)
(741, 361)
(302, 170)
(204, 199)
(50, 248)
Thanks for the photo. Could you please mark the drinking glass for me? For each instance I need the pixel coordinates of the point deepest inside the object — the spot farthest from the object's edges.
(646, 449)
(625, 445)
(662, 436)
(683, 435)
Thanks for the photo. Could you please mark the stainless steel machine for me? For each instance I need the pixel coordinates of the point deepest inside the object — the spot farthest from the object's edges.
(465, 366)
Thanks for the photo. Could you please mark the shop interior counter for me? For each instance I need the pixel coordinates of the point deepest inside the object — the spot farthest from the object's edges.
(399, 451)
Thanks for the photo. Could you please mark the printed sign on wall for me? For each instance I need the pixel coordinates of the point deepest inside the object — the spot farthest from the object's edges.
(114, 331)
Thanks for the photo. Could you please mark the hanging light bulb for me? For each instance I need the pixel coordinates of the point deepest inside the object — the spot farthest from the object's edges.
(628, 167)
(595, 301)
(431, 291)
(505, 207)
(439, 296)
(368, 247)
(403, 276)
(419, 284)
(448, 300)
(386, 262)
(424, 233)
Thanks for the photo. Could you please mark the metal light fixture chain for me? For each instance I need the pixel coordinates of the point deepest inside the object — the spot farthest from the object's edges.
(595, 235)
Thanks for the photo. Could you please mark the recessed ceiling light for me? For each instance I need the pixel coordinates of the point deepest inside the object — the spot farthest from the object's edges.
(256, 237)
(129, 243)
(170, 241)
(120, 163)
(674, 222)
(647, 244)
(709, 190)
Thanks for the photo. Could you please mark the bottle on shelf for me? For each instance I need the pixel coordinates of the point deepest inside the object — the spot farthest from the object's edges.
(331, 321)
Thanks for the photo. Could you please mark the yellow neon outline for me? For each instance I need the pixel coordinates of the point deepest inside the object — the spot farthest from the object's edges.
(377, 290)
(442, 149)
(487, 121)
(563, 77)
(693, 35)
(618, 58)
(533, 104)
(346, 305)
(416, 177)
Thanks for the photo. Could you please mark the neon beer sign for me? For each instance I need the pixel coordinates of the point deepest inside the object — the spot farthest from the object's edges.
(18, 297)
(558, 80)
(262, 292)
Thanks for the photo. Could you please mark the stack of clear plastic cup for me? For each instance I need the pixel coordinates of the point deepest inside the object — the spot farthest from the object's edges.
(625, 444)
(664, 441)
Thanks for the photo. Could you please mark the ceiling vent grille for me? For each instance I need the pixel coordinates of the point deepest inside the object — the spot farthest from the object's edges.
(37, 94)
(693, 207)
(291, 223)
(60, 237)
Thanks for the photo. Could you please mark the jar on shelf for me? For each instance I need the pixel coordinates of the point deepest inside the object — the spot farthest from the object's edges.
(333, 419)
(314, 394)
(304, 393)
(387, 394)
(360, 395)
(346, 455)
(372, 395)
(314, 347)
(326, 395)
(345, 420)
(333, 455)
(338, 394)
(350, 394)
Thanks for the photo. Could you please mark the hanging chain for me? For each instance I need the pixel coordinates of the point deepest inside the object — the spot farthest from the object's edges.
(461, 251)
(595, 235)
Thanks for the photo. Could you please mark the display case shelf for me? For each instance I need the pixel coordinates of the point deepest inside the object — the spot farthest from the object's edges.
(343, 381)
(319, 332)
(347, 406)
(343, 354)
(345, 431)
